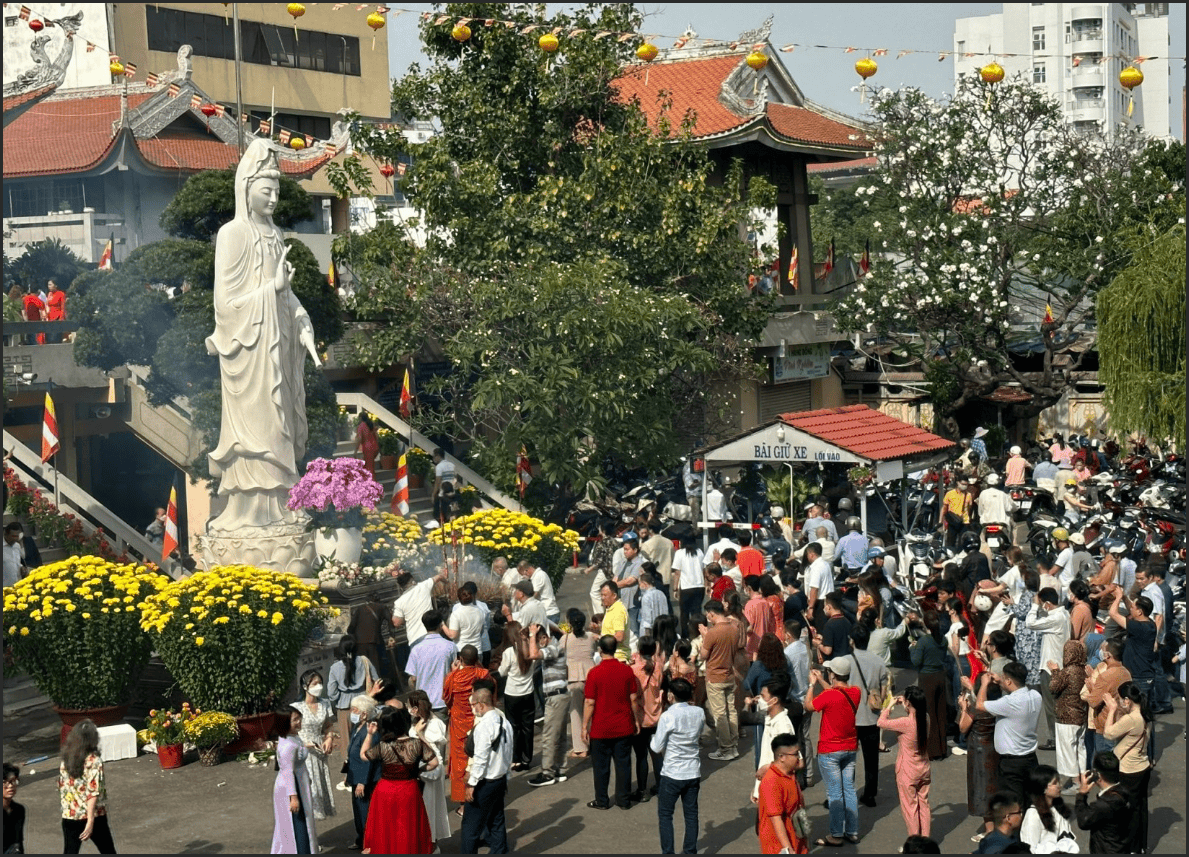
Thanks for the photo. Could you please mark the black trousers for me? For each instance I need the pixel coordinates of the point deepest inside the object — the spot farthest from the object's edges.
(484, 818)
(604, 751)
(869, 743)
(1013, 773)
(100, 835)
(521, 712)
(643, 753)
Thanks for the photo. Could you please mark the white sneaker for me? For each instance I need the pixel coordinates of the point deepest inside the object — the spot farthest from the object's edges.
(958, 751)
(724, 756)
(343, 787)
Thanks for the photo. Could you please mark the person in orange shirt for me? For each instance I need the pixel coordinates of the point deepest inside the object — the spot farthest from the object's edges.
(777, 824)
(55, 307)
(749, 559)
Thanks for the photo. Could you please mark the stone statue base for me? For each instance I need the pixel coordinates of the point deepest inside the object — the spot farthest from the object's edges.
(285, 547)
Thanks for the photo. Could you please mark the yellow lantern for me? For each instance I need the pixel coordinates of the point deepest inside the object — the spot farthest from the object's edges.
(116, 68)
(548, 43)
(647, 52)
(296, 10)
(460, 33)
(757, 60)
(865, 68)
(1130, 78)
(297, 142)
(376, 21)
(992, 72)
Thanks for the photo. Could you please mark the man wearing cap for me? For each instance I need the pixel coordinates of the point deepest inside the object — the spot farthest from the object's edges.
(659, 551)
(979, 446)
(1064, 553)
(1081, 562)
(529, 610)
(628, 578)
(996, 506)
(1014, 468)
(838, 744)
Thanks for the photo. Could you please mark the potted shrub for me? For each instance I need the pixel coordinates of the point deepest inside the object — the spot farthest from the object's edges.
(335, 492)
(500, 532)
(420, 467)
(231, 636)
(390, 444)
(210, 732)
(74, 627)
(167, 729)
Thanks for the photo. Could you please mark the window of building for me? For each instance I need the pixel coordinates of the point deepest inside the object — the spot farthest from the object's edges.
(10, 21)
(39, 198)
(961, 47)
(1038, 73)
(1038, 38)
(262, 44)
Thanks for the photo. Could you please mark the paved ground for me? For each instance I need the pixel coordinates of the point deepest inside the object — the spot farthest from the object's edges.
(228, 809)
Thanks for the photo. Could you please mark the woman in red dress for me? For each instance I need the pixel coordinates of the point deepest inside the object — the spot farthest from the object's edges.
(396, 819)
(456, 693)
(367, 442)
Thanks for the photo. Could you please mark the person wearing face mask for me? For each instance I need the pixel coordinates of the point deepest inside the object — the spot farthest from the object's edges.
(362, 775)
(317, 719)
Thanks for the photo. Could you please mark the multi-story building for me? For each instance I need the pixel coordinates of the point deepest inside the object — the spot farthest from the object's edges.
(1076, 51)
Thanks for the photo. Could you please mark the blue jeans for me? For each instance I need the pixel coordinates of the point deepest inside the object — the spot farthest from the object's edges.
(666, 796)
(634, 620)
(1103, 745)
(838, 773)
(484, 817)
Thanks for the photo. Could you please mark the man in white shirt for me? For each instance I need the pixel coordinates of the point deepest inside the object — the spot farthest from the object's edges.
(528, 610)
(1080, 562)
(676, 739)
(1051, 622)
(542, 588)
(484, 646)
(996, 506)
(509, 577)
(716, 505)
(1127, 566)
(443, 475)
(726, 540)
(659, 551)
(14, 554)
(467, 625)
(728, 561)
(1016, 716)
(818, 583)
(1064, 554)
(413, 603)
(487, 778)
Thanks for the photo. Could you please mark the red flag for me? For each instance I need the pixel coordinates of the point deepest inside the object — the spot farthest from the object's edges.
(524, 471)
(400, 495)
(406, 398)
(105, 263)
(830, 257)
(865, 260)
(49, 431)
(171, 525)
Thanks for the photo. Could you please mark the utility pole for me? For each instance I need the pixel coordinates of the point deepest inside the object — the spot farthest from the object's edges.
(239, 92)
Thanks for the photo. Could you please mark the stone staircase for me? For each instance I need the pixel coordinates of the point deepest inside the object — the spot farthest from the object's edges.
(420, 503)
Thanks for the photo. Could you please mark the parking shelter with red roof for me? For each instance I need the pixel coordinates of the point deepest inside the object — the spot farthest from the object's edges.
(853, 435)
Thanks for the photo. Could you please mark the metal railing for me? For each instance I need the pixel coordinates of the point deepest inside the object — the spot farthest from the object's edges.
(357, 401)
(93, 514)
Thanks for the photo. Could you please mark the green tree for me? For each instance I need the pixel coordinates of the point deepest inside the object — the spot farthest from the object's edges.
(1144, 374)
(990, 206)
(48, 259)
(207, 201)
(541, 184)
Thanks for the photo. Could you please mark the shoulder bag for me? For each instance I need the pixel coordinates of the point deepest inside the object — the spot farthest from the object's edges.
(874, 695)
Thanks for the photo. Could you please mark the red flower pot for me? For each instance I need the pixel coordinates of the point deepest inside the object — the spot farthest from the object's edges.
(170, 755)
(254, 730)
(111, 716)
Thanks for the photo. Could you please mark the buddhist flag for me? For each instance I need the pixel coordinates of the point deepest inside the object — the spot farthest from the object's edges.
(174, 90)
(793, 269)
(171, 524)
(406, 398)
(25, 13)
(152, 80)
(524, 471)
(129, 69)
(865, 259)
(830, 257)
(49, 430)
(330, 274)
(283, 137)
(401, 169)
(1048, 313)
(105, 261)
(400, 495)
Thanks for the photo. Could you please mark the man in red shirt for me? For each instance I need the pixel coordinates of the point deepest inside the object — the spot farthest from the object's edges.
(34, 309)
(750, 560)
(759, 615)
(611, 716)
(720, 584)
(780, 799)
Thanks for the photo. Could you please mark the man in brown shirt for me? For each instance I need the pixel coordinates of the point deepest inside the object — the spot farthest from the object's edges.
(1102, 683)
(720, 642)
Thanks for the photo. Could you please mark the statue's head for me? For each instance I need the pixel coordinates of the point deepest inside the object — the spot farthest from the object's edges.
(257, 181)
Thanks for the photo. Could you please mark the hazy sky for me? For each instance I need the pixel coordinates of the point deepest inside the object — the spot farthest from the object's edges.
(825, 76)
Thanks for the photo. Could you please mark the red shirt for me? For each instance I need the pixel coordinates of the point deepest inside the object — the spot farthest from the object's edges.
(611, 685)
(33, 307)
(759, 622)
(837, 731)
(780, 797)
(721, 587)
(57, 306)
(750, 561)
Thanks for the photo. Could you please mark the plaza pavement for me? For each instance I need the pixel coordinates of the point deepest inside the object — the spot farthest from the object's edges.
(228, 808)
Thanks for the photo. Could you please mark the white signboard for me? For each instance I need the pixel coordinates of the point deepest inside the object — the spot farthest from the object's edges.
(801, 363)
(781, 443)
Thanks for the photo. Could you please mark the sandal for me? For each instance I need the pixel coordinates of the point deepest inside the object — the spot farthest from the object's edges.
(458, 811)
(828, 841)
(574, 754)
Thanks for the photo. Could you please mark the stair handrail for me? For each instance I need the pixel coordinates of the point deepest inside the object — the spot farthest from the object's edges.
(126, 538)
(394, 422)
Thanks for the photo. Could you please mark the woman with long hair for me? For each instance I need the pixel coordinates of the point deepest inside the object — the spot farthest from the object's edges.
(688, 577)
(664, 631)
(367, 442)
(1027, 640)
(82, 792)
(1046, 821)
(351, 675)
(579, 647)
(294, 831)
(317, 719)
(1059, 451)
(928, 657)
(733, 603)
(913, 774)
(648, 666)
(396, 821)
(432, 731)
(770, 591)
(518, 665)
(1129, 724)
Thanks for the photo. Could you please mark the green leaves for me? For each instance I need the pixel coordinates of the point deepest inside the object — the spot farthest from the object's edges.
(207, 201)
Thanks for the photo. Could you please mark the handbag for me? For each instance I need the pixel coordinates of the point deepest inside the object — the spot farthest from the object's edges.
(875, 697)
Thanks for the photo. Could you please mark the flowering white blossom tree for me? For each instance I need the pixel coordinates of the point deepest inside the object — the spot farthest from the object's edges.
(989, 205)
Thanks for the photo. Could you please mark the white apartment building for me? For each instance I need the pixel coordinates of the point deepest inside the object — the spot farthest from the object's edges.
(1076, 51)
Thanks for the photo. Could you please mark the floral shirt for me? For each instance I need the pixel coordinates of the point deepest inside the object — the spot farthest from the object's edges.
(1027, 640)
(74, 793)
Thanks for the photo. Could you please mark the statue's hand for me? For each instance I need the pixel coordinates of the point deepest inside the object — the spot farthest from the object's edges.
(306, 338)
(284, 271)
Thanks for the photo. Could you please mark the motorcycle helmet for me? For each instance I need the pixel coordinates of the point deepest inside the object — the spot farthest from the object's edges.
(845, 505)
(969, 542)
(982, 603)
(766, 522)
(1060, 534)
(992, 479)
(875, 552)
(853, 523)
(777, 512)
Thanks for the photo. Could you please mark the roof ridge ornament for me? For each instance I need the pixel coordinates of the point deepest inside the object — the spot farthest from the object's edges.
(760, 34)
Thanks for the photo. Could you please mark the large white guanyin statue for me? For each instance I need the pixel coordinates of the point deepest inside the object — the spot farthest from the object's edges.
(262, 334)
